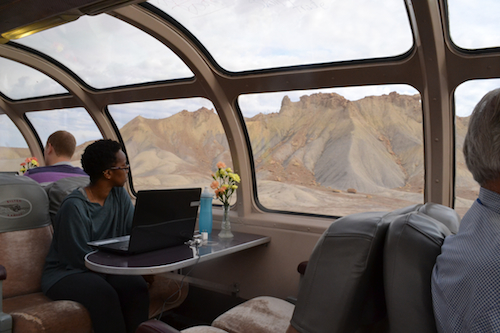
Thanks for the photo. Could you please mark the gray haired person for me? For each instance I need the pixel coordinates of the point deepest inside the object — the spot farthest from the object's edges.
(466, 277)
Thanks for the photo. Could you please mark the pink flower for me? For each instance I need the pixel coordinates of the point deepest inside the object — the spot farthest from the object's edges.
(221, 165)
(214, 184)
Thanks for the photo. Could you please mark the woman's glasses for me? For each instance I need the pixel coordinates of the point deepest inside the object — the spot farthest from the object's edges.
(126, 168)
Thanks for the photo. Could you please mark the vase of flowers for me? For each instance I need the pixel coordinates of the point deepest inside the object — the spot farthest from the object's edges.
(224, 184)
(29, 163)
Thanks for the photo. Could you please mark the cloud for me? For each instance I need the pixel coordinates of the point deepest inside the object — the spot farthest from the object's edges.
(19, 81)
(253, 104)
(474, 24)
(245, 35)
(107, 52)
(75, 120)
(240, 35)
(469, 93)
(123, 113)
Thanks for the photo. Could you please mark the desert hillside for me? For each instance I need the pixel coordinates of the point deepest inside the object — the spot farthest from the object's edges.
(323, 142)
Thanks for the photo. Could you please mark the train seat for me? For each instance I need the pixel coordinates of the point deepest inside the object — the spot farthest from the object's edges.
(25, 237)
(369, 272)
(58, 190)
(412, 244)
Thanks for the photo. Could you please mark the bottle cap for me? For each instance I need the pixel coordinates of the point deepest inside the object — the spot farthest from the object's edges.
(204, 235)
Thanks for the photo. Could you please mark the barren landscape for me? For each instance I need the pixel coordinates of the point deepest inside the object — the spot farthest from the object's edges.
(322, 154)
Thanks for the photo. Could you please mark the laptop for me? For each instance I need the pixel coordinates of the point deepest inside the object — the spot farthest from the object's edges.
(162, 219)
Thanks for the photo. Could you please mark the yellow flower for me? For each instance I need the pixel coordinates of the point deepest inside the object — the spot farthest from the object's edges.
(234, 187)
(236, 177)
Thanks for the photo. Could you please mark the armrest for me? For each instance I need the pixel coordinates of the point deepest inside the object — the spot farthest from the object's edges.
(155, 326)
(302, 267)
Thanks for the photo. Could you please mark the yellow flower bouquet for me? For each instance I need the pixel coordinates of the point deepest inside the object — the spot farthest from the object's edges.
(29, 163)
(224, 185)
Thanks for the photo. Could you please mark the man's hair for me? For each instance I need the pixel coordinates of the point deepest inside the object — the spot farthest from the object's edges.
(64, 143)
(99, 157)
(482, 142)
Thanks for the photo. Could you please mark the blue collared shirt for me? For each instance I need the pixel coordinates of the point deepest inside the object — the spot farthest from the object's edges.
(466, 277)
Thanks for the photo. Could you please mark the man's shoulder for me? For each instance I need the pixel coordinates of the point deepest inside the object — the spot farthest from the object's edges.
(64, 168)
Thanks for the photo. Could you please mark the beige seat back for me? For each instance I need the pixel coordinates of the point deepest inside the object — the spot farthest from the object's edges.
(25, 233)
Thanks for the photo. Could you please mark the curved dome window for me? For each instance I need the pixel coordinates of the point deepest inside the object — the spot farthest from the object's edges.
(19, 81)
(74, 120)
(337, 151)
(172, 143)
(246, 35)
(106, 52)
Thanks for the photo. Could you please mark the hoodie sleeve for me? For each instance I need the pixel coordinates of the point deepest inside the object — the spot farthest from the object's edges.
(128, 209)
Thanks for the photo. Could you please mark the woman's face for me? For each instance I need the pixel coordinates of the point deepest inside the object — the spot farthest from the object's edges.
(120, 170)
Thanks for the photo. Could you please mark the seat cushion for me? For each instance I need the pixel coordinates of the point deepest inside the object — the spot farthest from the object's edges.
(22, 253)
(259, 315)
(35, 313)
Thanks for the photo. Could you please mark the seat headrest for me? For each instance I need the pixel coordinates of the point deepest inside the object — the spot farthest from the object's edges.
(412, 244)
(23, 204)
(59, 190)
(446, 215)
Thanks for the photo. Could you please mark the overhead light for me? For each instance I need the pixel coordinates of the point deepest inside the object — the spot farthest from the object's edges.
(38, 26)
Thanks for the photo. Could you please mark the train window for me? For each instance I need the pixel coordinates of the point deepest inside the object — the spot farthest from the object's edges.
(13, 147)
(20, 81)
(247, 35)
(467, 95)
(107, 52)
(77, 121)
(335, 151)
(169, 146)
(474, 24)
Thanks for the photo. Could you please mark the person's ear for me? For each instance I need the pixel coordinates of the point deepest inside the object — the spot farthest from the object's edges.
(107, 174)
(48, 148)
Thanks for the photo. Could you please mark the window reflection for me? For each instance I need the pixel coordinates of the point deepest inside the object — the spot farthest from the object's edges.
(335, 151)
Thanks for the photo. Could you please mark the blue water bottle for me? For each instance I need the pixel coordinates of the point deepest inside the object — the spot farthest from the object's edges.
(205, 218)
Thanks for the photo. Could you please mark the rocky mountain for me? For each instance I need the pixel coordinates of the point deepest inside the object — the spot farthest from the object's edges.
(325, 140)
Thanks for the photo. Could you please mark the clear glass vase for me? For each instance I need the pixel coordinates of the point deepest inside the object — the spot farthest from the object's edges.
(225, 230)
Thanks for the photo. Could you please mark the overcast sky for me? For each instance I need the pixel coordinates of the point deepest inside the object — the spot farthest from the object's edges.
(241, 35)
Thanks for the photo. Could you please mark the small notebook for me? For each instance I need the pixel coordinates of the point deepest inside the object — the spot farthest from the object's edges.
(162, 218)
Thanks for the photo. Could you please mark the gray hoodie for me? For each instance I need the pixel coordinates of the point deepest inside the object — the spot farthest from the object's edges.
(79, 221)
